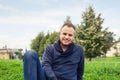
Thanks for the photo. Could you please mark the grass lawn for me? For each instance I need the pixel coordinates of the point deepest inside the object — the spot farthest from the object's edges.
(98, 69)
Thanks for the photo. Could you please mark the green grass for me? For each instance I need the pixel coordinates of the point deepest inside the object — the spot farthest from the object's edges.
(98, 69)
(11, 70)
(103, 69)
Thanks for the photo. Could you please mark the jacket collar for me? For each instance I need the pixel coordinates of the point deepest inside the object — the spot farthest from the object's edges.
(67, 52)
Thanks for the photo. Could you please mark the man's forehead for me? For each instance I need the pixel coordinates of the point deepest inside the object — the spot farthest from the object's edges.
(68, 30)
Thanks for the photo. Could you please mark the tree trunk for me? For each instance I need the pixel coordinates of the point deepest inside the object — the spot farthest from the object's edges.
(90, 59)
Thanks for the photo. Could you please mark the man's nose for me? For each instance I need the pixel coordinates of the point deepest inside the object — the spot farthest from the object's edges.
(66, 36)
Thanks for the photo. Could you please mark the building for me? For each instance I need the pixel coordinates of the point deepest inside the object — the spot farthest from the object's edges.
(6, 53)
(114, 50)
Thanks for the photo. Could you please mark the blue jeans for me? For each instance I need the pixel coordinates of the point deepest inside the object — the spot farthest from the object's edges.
(32, 67)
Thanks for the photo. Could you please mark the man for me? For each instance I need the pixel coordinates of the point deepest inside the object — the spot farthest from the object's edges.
(64, 60)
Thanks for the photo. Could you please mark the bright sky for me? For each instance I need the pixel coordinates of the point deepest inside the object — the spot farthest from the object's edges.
(22, 20)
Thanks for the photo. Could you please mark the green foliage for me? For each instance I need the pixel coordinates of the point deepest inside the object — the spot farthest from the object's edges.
(41, 41)
(119, 39)
(20, 50)
(106, 41)
(19, 54)
(35, 45)
(91, 36)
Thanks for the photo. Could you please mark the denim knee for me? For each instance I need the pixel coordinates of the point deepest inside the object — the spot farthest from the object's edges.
(30, 55)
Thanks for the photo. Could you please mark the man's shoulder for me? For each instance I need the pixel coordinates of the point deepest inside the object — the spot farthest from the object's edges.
(78, 46)
(50, 46)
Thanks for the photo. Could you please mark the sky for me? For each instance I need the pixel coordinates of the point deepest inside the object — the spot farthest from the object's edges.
(22, 20)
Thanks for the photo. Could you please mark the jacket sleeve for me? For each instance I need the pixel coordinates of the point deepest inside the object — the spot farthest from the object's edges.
(80, 70)
(47, 63)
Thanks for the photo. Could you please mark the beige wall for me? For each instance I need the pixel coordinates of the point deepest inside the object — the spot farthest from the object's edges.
(114, 50)
(4, 55)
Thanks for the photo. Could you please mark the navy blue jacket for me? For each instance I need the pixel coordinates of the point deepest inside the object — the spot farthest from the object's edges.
(59, 65)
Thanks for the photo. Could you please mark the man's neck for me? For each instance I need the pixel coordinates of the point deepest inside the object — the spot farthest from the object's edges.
(64, 47)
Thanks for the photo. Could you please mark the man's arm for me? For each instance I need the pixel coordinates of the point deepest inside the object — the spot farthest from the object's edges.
(47, 63)
(80, 70)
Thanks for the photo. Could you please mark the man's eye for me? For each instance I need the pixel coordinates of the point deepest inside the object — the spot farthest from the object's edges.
(64, 34)
(70, 35)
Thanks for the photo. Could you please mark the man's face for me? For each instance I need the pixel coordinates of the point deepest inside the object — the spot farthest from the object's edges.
(67, 35)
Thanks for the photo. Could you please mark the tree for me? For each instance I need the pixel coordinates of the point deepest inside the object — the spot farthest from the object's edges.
(19, 54)
(52, 38)
(106, 41)
(119, 39)
(42, 41)
(91, 36)
(68, 20)
(35, 45)
(41, 44)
